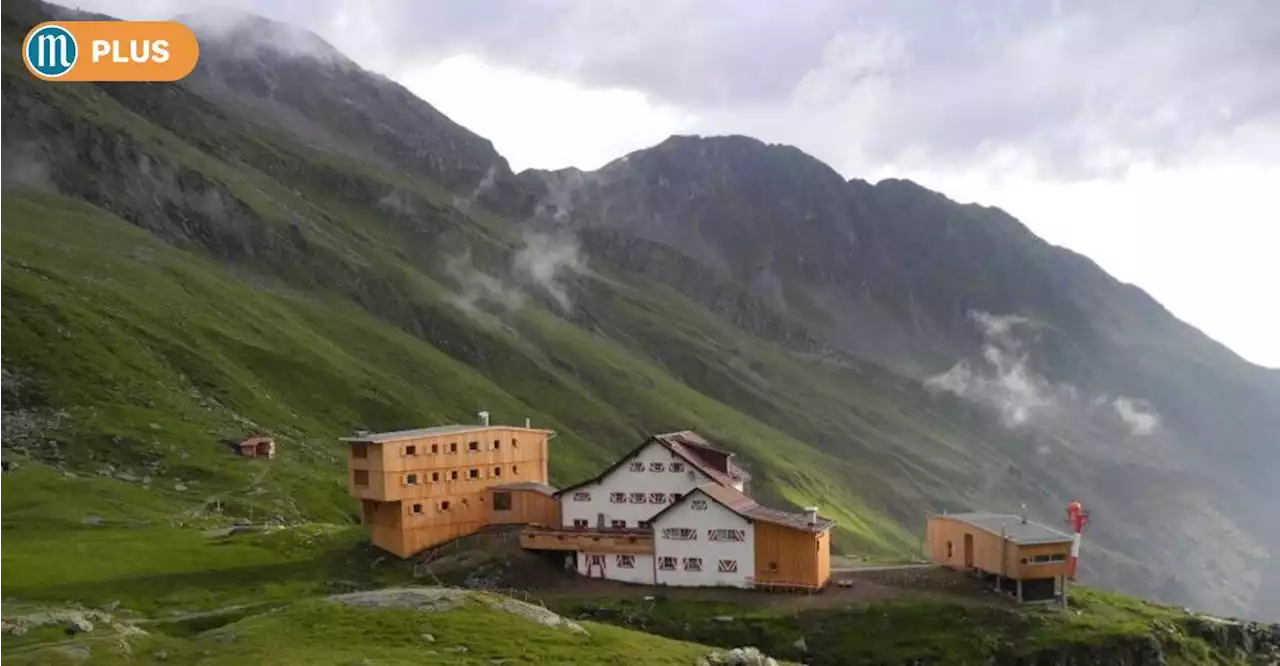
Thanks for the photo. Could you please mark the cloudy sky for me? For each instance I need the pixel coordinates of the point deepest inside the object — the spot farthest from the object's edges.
(1142, 133)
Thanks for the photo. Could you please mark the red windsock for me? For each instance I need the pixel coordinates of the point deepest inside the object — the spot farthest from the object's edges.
(1078, 517)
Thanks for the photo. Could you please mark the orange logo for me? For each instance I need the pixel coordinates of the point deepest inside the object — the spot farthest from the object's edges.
(110, 51)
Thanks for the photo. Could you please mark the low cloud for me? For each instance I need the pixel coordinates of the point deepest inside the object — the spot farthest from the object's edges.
(1005, 380)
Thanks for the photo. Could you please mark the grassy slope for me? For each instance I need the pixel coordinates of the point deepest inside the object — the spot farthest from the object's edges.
(1099, 628)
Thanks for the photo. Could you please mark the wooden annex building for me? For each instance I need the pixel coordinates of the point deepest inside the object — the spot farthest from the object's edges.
(1022, 558)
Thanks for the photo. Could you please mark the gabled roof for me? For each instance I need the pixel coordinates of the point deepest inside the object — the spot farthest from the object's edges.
(1011, 527)
(437, 431)
(702, 454)
(738, 502)
(666, 440)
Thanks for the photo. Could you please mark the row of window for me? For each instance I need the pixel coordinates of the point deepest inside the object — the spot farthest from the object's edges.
(636, 498)
(501, 502)
(1047, 559)
(452, 447)
(639, 466)
(414, 478)
(665, 563)
(691, 534)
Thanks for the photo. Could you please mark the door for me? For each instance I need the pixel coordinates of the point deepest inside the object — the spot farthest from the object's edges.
(968, 551)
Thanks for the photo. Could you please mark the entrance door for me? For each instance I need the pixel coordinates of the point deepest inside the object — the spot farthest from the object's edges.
(968, 551)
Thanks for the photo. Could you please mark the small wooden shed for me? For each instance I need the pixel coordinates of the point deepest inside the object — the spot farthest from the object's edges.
(1023, 558)
(258, 447)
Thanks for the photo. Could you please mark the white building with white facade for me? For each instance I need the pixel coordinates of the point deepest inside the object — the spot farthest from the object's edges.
(685, 497)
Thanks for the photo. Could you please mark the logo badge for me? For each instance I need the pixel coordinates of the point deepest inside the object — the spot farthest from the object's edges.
(110, 51)
(50, 51)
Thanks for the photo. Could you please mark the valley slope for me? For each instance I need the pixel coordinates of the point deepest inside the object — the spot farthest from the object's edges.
(286, 242)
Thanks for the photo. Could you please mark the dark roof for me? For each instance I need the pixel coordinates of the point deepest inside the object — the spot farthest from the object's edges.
(739, 503)
(694, 449)
(254, 441)
(1011, 527)
(379, 437)
(526, 485)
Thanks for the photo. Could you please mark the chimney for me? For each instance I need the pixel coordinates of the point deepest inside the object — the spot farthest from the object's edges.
(1024, 514)
(528, 423)
(484, 419)
(811, 515)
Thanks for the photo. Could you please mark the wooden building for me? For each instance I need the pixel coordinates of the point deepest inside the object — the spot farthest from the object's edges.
(1023, 558)
(257, 447)
(420, 488)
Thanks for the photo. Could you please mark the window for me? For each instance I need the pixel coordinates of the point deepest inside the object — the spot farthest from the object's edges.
(676, 467)
(726, 535)
(675, 497)
(411, 479)
(773, 566)
(643, 524)
(359, 450)
(497, 445)
(667, 563)
(618, 524)
(411, 450)
(435, 477)
(453, 475)
(444, 505)
(473, 473)
(951, 550)
(581, 496)
(727, 566)
(515, 469)
(497, 471)
(698, 505)
(417, 508)
(626, 561)
(501, 501)
(680, 533)
(514, 443)
(655, 467)
(595, 560)
(618, 498)
(637, 498)
(473, 446)
(657, 498)
(453, 447)
(360, 477)
(693, 564)
(580, 523)
(1047, 559)
(636, 466)
(435, 448)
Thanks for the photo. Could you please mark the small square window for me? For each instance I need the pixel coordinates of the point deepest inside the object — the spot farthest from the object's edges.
(638, 498)
(411, 450)
(675, 497)
(502, 501)
(515, 469)
(655, 467)
(618, 498)
(474, 473)
(676, 467)
(497, 445)
(360, 477)
(693, 564)
(411, 479)
(435, 477)
(580, 523)
(453, 475)
(453, 447)
(473, 446)
(626, 561)
(435, 448)
(444, 505)
(581, 496)
(667, 563)
(773, 566)
(497, 471)
(417, 508)
(618, 524)
(636, 466)
(514, 443)
(657, 498)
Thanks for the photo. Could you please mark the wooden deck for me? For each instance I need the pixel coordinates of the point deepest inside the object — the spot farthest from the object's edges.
(629, 541)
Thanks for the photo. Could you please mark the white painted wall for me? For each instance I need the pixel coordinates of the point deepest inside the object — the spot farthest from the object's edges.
(714, 516)
(641, 573)
(624, 480)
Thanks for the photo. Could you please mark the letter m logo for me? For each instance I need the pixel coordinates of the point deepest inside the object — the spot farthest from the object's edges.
(50, 51)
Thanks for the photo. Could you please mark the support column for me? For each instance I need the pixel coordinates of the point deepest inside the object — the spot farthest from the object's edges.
(1064, 591)
(1019, 590)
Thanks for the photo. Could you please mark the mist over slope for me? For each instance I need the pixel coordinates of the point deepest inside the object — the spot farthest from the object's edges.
(287, 242)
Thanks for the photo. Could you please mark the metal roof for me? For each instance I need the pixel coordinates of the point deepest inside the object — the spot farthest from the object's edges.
(379, 437)
(526, 485)
(1011, 527)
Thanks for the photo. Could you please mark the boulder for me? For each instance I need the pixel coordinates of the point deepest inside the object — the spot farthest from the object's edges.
(77, 624)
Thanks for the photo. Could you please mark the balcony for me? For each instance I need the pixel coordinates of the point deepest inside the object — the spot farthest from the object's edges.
(632, 541)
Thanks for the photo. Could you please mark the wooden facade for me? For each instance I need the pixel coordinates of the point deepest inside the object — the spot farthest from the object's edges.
(962, 545)
(634, 541)
(425, 487)
(519, 506)
(787, 557)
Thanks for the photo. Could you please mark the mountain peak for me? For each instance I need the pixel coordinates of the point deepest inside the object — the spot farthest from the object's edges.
(248, 34)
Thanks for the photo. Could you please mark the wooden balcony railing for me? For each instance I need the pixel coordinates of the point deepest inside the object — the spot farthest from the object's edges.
(592, 540)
